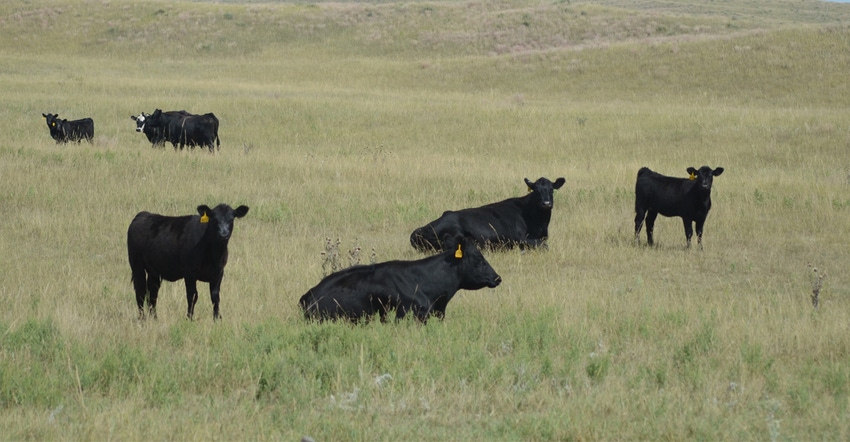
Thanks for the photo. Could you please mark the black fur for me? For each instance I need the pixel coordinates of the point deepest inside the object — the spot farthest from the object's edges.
(521, 221)
(422, 288)
(191, 247)
(689, 199)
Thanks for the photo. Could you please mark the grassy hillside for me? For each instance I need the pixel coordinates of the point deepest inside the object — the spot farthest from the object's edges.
(358, 122)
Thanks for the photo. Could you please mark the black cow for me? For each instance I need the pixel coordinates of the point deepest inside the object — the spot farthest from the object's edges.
(64, 131)
(191, 130)
(521, 221)
(156, 135)
(688, 198)
(191, 247)
(422, 288)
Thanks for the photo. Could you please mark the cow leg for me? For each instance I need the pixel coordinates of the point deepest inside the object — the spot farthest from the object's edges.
(699, 232)
(439, 307)
(640, 213)
(378, 304)
(689, 230)
(139, 281)
(215, 288)
(191, 296)
(154, 281)
(650, 225)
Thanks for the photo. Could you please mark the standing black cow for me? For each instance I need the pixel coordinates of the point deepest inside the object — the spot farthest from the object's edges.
(156, 135)
(191, 130)
(521, 221)
(192, 248)
(63, 130)
(688, 198)
(422, 288)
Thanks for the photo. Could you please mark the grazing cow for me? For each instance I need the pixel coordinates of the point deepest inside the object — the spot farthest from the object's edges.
(156, 135)
(192, 248)
(521, 221)
(64, 131)
(422, 288)
(191, 130)
(688, 198)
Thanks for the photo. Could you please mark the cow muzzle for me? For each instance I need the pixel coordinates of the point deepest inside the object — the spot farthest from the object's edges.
(495, 282)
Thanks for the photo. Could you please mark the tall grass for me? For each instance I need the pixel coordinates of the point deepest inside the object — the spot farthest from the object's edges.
(362, 121)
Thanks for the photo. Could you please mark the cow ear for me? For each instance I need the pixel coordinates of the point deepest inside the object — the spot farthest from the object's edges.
(717, 171)
(558, 183)
(133, 117)
(692, 171)
(203, 209)
(452, 241)
(529, 184)
(240, 211)
(45, 116)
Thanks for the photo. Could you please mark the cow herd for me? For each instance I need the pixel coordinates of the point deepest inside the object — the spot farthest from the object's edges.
(180, 128)
(194, 248)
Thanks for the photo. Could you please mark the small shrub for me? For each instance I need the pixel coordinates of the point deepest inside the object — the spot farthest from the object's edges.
(597, 368)
(817, 285)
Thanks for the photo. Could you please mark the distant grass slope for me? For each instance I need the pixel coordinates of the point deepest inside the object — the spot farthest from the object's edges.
(642, 46)
(383, 29)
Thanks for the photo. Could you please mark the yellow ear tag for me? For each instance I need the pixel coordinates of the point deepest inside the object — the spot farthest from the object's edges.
(458, 253)
(204, 218)
(692, 177)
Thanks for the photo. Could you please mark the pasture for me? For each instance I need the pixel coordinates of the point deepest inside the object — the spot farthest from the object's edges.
(346, 125)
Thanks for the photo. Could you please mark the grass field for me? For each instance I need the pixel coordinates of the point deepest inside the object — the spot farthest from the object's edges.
(359, 122)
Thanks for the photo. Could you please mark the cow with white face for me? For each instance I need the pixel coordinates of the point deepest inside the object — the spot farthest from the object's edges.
(156, 135)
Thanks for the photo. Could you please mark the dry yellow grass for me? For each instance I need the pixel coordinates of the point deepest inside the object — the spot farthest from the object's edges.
(363, 121)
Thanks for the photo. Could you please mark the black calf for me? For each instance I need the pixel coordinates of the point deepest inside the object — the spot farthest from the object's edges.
(688, 198)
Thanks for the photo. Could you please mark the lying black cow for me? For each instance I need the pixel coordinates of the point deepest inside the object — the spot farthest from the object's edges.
(688, 198)
(192, 247)
(183, 130)
(422, 288)
(64, 131)
(156, 135)
(521, 221)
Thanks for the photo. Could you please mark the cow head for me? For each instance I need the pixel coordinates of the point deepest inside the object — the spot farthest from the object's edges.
(475, 272)
(140, 121)
(704, 176)
(220, 219)
(53, 122)
(155, 119)
(51, 119)
(543, 190)
(57, 131)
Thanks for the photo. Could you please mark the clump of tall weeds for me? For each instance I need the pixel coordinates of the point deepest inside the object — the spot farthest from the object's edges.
(332, 260)
(817, 285)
